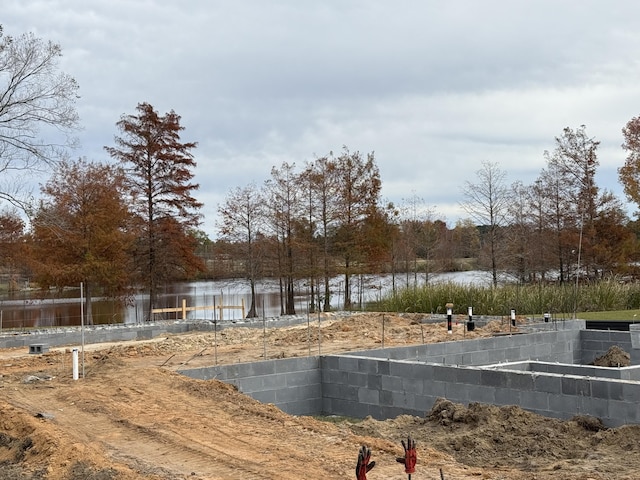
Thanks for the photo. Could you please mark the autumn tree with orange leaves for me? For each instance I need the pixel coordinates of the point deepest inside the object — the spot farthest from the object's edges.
(80, 232)
(629, 173)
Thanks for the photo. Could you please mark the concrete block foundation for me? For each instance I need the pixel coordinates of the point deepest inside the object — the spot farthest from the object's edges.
(546, 372)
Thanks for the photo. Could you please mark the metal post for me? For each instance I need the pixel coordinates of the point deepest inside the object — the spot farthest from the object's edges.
(319, 334)
(82, 323)
(309, 300)
(215, 333)
(264, 333)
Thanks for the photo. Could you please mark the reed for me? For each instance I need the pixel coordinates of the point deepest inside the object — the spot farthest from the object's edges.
(530, 299)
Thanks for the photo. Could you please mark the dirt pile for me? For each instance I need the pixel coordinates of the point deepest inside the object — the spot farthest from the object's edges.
(131, 416)
(32, 447)
(614, 357)
(500, 439)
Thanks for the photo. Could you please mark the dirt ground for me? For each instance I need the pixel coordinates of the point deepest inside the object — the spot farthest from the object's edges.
(131, 416)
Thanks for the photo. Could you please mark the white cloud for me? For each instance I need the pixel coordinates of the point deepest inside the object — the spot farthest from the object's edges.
(434, 88)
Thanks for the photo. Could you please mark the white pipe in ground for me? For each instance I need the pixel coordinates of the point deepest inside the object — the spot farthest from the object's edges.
(75, 363)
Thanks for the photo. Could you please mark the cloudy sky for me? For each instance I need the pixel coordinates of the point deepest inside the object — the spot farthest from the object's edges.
(434, 88)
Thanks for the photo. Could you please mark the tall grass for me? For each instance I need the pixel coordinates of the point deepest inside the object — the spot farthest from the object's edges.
(604, 295)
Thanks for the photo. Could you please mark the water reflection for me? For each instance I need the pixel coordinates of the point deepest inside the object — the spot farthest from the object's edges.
(65, 310)
(24, 310)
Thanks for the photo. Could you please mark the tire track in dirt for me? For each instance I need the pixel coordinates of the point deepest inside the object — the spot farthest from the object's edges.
(166, 434)
(154, 444)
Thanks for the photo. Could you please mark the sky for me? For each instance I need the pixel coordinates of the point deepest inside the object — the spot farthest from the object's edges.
(433, 88)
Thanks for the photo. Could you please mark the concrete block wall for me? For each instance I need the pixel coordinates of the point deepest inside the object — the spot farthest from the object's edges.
(361, 386)
(63, 336)
(623, 373)
(56, 337)
(634, 333)
(374, 383)
(595, 343)
(293, 384)
(562, 345)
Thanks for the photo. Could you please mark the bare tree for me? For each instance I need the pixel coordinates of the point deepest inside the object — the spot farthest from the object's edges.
(420, 235)
(241, 219)
(37, 110)
(411, 218)
(542, 215)
(574, 162)
(310, 238)
(323, 181)
(486, 202)
(559, 209)
(286, 211)
(357, 199)
(519, 233)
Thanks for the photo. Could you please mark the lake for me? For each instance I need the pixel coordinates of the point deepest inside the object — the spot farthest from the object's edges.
(29, 308)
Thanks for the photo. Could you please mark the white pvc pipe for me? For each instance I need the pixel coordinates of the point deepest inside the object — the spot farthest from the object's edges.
(75, 363)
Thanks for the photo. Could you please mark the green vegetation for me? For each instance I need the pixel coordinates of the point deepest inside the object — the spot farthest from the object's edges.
(623, 315)
(622, 300)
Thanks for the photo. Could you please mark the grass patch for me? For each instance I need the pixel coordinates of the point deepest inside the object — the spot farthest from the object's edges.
(620, 300)
(613, 315)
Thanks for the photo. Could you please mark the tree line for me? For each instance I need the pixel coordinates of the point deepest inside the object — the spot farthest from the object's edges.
(134, 221)
(328, 219)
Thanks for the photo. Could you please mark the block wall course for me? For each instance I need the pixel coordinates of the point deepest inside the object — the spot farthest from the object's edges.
(522, 381)
(392, 383)
(626, 410)
(535, 401)
(507, 396)
(357, 379)
(292, 394)
(482, 394)
(563, 406)
(368, 396)
(493, 378)
(435, 389)
(597, 407)
(266, 396)
(413, 385)
(575, 386)
(547, 383)
(374, 382)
